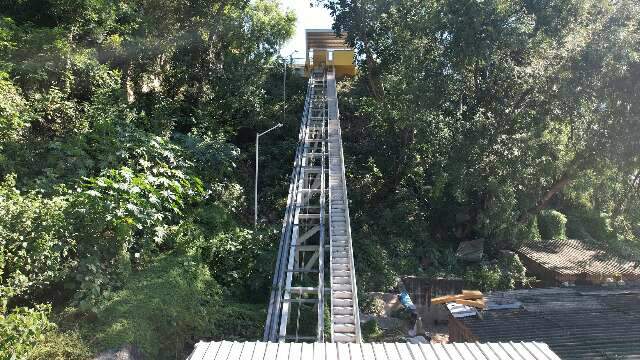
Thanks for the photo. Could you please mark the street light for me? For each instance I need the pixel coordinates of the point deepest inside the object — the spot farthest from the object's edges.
(255, 216)
(284, 86)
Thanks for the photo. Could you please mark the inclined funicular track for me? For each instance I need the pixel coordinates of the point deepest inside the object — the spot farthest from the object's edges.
(316, 232)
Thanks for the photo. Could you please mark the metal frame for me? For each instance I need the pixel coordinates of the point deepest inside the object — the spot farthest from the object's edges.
(303, 242)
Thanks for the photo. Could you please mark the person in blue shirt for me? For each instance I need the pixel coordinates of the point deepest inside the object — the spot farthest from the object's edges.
(409, 307)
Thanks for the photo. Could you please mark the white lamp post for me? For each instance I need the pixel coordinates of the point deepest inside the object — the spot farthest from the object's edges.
(255, 217)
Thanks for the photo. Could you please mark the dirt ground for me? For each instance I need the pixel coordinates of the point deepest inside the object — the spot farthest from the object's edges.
(394, 323)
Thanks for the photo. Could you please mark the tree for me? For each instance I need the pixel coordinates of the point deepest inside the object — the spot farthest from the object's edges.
(493, 103)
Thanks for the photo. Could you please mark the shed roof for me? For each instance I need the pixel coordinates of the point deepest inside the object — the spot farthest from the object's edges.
(573, 257)
(325, 39)
(226, 350)
(577, 323)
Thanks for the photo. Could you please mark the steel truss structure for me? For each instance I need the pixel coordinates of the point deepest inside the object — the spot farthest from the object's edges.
(316, 207)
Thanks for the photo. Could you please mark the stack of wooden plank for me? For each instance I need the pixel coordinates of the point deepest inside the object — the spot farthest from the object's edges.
(471, 298)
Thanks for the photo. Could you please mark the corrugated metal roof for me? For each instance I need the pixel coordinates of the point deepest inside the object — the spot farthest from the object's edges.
(227, 350)
(325, 39)
(573, 257)
(576, 322)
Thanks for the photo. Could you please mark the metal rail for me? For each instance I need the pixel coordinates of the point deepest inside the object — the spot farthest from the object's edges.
(345, 317)
(318, 174)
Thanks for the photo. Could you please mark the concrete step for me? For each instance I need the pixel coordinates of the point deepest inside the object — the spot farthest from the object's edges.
(342, 287)
(344, 328)
(341, 273)
(341, 280)
(340, 267)
(344, 337)
(342, 310)
(343, 319)
(342, 303)
(342, 295)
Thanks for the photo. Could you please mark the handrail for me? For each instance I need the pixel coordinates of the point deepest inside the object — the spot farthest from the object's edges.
(330, 217)
(277, 285)
(356, 308)
(321, 294)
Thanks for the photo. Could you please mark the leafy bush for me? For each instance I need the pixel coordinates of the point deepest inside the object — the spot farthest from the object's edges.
(375, 271)
(371, 305)
(124, 217)
(21, 329)
(526, 232)
(513, 272)
(371, 331)
(12, 109)
(235, 321)
(34, 245)
(552, 225)
(240, 260)
(158, 310)
(58, 345)
(485, 277)
(587, 224)
(506, 273)
(54, 115)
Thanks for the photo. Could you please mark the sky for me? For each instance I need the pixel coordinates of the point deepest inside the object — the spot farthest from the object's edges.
(308, 18)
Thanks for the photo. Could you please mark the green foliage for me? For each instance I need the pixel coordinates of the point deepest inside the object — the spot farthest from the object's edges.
(552, 225)
(236, 321)
(159, 309)
(55, 115)
(484, 277)
(504, 274)
(458, 121)
(12, 106)
(371, 305)
(35, 249)
(115, 158)
(374, 268)
(513, 272)
(172, 303)
(371, 331)
(21, 329)
(57, 345)
(239, 259)
(129, 130)
(533, 230)
(124, 217)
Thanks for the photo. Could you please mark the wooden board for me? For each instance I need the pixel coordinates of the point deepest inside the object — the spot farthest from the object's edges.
(466, 295)
(471, 294)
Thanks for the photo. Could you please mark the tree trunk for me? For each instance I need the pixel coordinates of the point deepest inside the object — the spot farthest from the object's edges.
(546, 198)
(373, 77)
(375, 85)
(400, 165)
(633, 191)
(125, 80)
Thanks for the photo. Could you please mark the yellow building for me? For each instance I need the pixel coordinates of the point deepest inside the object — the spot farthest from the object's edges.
(324, 48)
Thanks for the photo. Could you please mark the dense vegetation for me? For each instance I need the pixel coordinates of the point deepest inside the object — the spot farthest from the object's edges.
(125, 133)
(126, 147)
(493, 119)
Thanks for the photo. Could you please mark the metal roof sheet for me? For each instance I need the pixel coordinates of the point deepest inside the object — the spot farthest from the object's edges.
(227, 350)
(325, 39)
(574, 257)
(576, 322)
